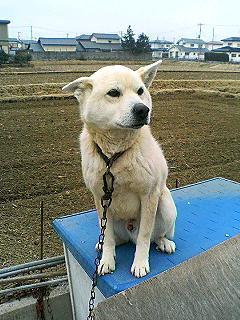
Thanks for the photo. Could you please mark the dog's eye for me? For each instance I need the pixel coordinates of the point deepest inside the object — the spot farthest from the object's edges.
(140, 91)
(113, 93)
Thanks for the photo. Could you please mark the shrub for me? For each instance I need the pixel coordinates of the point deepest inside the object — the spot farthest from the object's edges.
(4, 57)
(22, 57)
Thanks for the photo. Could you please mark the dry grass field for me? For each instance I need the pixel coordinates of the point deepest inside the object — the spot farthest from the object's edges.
(196, 125)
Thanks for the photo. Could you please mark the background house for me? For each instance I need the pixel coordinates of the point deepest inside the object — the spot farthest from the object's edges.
(58, 44)
(233, 53)
(99, 42)
(191, 43)
(14, 44)
(160, 48)
(233, 42)
(188, 49)
(211, 45)
(4, 35)
(231, 46)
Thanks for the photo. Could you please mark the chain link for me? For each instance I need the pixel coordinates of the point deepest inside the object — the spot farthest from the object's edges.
(106, 200)
(49, 308)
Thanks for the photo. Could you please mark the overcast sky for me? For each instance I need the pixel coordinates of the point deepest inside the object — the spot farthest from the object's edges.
(165, 19)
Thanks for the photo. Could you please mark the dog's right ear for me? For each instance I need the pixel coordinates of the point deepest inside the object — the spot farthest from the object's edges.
(77, 87)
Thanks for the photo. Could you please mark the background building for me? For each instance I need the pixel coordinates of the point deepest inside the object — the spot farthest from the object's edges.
(4, 35)
(160, 48)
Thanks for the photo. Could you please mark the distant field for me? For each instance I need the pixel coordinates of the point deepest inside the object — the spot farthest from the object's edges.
(20, 79)
(40, 160)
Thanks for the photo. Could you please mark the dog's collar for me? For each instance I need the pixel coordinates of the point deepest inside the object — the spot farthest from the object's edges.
(108, 161)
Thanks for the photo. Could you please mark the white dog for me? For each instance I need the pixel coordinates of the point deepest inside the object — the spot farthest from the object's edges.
(115, 107)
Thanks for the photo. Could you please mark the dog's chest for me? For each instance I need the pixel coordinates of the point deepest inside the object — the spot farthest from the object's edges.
(129, 176)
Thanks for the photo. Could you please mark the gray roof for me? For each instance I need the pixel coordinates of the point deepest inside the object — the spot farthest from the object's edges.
(84, 37)
(110, 36)
(58, 41)
(186, 49)
(161, 49)
(195, 41)
(215, 42)
(28, 41)
(36, 47)
(93, 46)
(161, 41)
(232, 39)
(227, 49)
(4, 21)
(13, 40)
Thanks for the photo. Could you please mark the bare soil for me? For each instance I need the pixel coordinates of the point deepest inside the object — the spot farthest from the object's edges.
(40, 160)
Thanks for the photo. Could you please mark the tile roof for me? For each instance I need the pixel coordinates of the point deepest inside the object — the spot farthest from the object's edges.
(13, 40)
(28, 41)
(84, 37)
(195, 41)
(58, 41)
(161, 41)
(4, 21)
(111, 36)
(186, 49)
(91, 45)
(232, 39)
(215, 42)
(227, 49)
(160, 49)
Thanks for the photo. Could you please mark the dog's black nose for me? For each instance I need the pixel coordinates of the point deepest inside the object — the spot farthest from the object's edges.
(140, 111)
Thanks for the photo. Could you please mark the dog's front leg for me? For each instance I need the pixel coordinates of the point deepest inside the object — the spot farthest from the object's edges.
(140, 266)
(107, 263)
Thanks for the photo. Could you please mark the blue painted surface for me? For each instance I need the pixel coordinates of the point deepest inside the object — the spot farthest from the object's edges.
(208, 214)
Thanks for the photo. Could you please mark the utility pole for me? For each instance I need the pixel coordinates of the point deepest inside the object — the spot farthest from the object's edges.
(67, 35)
(213, 37)
(19, 35)
(200, 29)
(31, 33)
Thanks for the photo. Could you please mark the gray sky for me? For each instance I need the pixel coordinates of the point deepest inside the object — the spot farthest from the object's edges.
(167, 19)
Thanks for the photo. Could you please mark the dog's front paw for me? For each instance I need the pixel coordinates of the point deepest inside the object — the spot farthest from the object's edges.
(107, 265)
(140, 268)
(166, 245)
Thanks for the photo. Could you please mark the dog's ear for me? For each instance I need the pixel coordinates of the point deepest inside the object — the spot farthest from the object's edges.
(148, 73)
(77, 87)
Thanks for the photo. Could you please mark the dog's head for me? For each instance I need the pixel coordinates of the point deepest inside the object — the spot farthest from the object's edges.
(115, 97)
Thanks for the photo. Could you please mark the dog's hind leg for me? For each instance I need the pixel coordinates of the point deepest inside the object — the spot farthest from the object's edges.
(165, 223)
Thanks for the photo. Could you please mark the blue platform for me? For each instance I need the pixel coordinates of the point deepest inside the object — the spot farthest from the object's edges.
(208, 214)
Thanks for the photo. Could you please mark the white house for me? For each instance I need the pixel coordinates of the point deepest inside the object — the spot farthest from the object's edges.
(58, 44)
(188, 49)
(160, 48)
(99, 42)
(233, 53)
(233, 42)
(211, 45)
(231, 46)
(192, 43)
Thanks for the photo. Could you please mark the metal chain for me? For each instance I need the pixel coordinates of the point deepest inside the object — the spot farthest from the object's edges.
(49, 308)
(108, 182)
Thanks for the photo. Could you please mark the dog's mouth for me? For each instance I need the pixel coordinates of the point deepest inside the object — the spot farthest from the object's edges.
(133, 126)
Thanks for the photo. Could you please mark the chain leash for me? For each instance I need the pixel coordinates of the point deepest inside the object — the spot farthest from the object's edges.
(106, 200)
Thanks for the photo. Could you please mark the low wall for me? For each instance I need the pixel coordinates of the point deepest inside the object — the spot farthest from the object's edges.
(116, 55)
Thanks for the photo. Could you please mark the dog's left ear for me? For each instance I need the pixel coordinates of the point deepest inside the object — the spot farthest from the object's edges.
(148, 73)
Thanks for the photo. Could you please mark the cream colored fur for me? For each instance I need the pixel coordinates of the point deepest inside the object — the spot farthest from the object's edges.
(140, 191)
